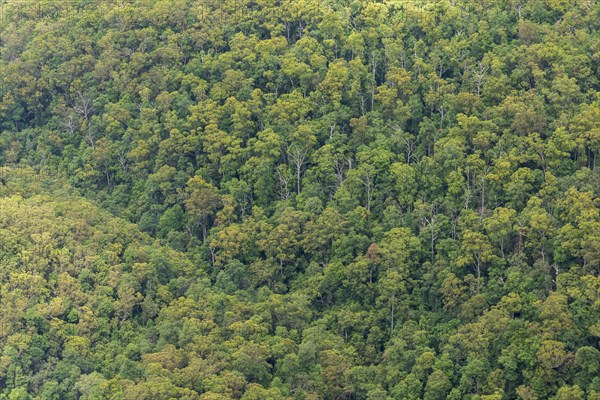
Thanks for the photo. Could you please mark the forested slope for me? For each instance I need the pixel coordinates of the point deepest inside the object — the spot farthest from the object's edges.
(300, 200)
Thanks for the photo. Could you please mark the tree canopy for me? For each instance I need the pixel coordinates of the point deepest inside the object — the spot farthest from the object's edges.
(313, 199)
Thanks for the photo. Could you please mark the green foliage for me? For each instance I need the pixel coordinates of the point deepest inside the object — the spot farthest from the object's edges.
(299, 200)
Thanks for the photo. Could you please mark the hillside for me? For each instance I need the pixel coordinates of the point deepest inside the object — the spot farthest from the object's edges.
(318, 199)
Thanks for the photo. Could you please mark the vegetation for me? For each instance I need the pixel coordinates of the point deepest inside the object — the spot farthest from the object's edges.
(313, 199)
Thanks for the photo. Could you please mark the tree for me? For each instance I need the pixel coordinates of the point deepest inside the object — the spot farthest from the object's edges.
(475, 250)
(499, 226)
(438, 385)
(202, 199)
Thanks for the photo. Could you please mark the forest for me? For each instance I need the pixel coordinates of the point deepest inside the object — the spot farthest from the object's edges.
(299, 200)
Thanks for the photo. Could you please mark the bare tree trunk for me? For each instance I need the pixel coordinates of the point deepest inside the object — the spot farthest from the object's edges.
(84, 104)
(213, 256)
(367, 180)
(298, 157)
(284, 192)
(482, 209)
(69, 124)
(430, 222)
(374, 81)
(479, 75)
(340, 171)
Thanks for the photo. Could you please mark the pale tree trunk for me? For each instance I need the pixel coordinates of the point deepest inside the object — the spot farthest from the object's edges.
(298, 156)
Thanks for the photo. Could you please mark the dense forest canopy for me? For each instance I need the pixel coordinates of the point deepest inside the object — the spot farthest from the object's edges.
(312, 199)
